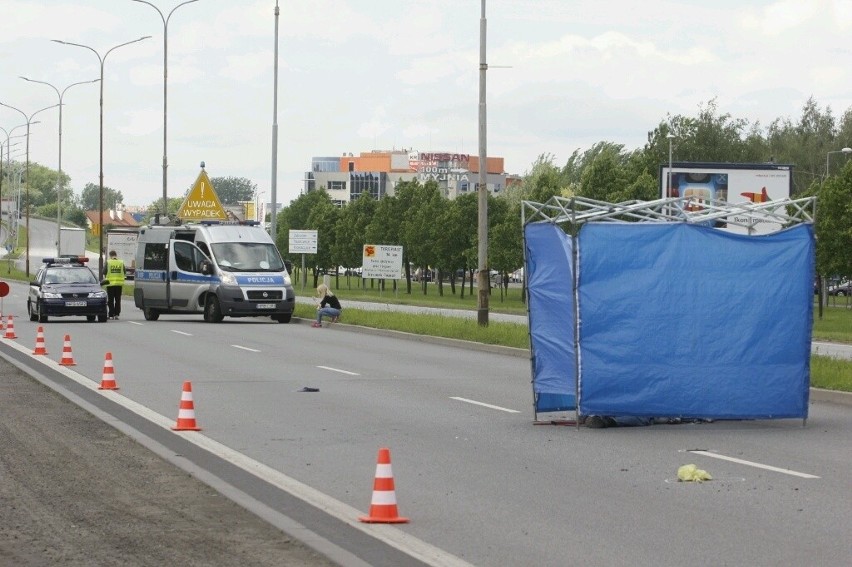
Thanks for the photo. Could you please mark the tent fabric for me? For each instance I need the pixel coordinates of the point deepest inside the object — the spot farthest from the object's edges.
(674, 319)
(550, 283)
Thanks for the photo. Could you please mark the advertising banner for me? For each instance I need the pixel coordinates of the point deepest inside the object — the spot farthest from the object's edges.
(382, 262)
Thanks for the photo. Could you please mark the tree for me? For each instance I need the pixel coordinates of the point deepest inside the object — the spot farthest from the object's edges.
(834, 225)
(90, 197)
(419, 229)
(232, 190)
(350, 230)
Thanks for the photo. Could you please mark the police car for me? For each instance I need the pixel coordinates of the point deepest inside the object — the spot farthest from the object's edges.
(66, 287)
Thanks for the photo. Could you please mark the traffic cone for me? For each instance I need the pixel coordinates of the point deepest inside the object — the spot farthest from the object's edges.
(186, 413)
(108, 377)
(67, 358)
(40, 348)
(2, 326)
(383, 505)
(10, 330)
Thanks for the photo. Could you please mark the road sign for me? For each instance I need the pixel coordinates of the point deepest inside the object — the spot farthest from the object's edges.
(381, 262)
(202, 203)
(4, 289)
(302, 242)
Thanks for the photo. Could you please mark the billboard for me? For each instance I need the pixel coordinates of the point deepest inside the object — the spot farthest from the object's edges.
(719, 183)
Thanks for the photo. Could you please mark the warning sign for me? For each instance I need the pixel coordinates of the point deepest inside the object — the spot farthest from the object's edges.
(202, 203)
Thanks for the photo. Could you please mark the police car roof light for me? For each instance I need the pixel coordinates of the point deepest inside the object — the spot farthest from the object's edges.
(65, 260)
(209, 222)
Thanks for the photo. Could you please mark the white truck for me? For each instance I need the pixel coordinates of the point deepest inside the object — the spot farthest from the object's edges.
(72, 241)
(124, 243)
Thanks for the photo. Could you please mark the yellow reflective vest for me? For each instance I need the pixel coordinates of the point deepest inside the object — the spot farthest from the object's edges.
(114, 271)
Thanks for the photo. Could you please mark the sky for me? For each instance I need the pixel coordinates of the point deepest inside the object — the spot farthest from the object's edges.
(362, 75)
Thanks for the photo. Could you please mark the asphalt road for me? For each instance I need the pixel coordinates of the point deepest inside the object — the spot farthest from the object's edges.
(480, 482)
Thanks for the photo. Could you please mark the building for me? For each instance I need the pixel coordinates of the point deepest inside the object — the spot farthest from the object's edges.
(109, 219)
(377, 172)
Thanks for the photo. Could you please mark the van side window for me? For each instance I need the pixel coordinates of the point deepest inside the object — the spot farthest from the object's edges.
(155, 257)
(187, 257)
(203, 247)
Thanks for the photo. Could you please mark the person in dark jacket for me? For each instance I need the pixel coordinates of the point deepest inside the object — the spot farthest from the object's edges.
(328, 306)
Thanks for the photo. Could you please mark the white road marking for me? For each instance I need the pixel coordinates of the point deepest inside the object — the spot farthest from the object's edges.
(339, 370)
(134, 323)
(419, 549)
(474, 402)
(245, 348)
(182, 333)
(753, 464)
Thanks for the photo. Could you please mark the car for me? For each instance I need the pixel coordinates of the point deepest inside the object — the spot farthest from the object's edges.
(841, 289)
(66, 287)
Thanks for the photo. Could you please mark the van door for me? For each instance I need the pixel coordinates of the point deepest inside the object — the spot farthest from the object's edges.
(186, 282)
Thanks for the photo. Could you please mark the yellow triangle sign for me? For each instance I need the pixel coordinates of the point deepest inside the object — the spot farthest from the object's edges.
(202, 203)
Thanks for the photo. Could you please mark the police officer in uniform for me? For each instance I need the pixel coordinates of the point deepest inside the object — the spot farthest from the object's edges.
(114, 274)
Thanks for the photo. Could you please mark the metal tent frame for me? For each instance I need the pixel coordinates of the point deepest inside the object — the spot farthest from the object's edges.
(571, 213)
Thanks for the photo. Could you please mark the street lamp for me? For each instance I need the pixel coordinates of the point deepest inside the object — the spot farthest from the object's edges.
(102, 60)
(165, 92)
(273, 228)
(483, 281)
(27, 182)
(671, 137)
(8, 162)
(59, 177)
(843, 151)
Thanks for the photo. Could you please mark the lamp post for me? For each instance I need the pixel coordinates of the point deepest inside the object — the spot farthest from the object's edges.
(165, 93)
(828, 155)
(102, 60)
(273, 228)
(483, 282)
(59, 94)
(8, 163)
(29, 120)
(671, 137)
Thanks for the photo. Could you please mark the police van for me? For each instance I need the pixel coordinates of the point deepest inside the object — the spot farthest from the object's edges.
(215, 268)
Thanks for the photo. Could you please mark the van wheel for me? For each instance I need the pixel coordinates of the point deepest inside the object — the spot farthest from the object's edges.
(212, 311)
(150, 314)
(283, 318)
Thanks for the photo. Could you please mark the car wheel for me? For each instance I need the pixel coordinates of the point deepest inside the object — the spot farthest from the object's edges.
(283, 318)
(102, 318)
(151, 314)
(90, 318)
(212, 311)
(841, 293)
(33, 315)
(42, 318)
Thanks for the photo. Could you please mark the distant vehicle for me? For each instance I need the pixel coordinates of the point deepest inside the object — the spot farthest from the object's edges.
(72, 242)
(65, 287)
(841, 289)
(124, 243)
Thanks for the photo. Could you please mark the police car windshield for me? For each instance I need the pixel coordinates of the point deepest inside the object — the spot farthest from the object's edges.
(76, 275)
(247, 257)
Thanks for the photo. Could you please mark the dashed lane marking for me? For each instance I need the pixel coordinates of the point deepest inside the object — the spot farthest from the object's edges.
(483, 404)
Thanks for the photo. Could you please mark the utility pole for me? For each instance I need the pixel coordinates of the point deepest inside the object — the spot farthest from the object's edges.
(483, 281)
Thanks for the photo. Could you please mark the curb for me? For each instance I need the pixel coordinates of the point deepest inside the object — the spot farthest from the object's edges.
(816, 394)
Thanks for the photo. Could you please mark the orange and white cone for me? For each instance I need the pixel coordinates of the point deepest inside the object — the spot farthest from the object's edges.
(39, 347)
(108, 378)
(2, 326)
(67, 357)
(186, 412)
(383, 505)
(10, 330)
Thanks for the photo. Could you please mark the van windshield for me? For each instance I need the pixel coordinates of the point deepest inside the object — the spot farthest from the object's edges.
(247, 257)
